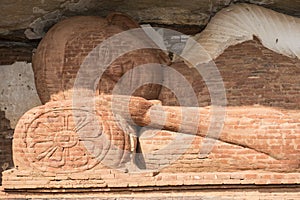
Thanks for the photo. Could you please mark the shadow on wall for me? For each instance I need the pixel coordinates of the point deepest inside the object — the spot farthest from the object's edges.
(6, 134)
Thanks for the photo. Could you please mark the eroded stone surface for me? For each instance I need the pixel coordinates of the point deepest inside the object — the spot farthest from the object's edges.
(37, 16)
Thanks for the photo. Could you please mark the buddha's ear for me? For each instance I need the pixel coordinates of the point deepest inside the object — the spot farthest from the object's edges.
(122, 20)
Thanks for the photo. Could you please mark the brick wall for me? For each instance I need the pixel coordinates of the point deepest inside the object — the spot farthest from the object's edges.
(9, 55)
(252, 74)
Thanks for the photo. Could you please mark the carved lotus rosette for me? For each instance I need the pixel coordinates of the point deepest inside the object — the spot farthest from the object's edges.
(62, 139)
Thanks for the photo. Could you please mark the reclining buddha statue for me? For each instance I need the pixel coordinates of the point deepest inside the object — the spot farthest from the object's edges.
(83, 128)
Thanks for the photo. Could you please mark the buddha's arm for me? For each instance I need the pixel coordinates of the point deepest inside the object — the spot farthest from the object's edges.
(270, 131)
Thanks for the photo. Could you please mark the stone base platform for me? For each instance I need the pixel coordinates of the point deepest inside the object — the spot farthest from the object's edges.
(112, 183)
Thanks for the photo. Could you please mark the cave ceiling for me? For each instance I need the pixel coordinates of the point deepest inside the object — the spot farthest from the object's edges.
(25, 22)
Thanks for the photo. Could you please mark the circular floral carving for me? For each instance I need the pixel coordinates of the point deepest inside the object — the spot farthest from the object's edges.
(53, 144)
(66, 139)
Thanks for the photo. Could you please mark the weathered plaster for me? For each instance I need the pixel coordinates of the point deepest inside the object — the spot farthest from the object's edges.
(17, 89)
